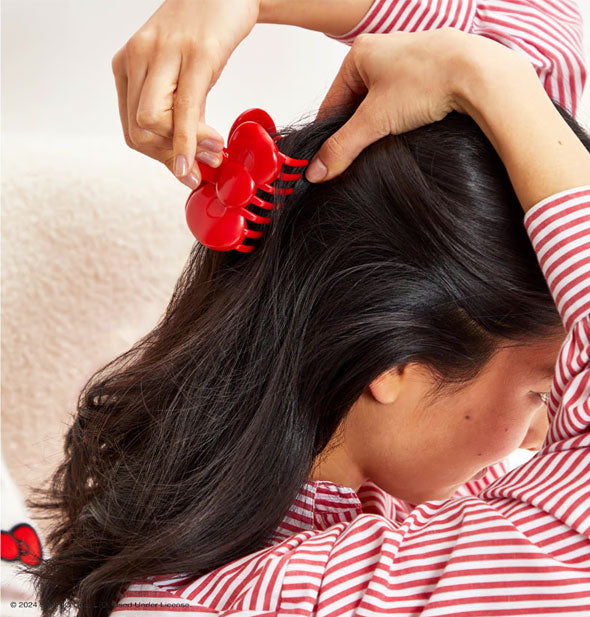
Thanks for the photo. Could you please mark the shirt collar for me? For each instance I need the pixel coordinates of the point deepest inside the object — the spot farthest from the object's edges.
(318, 505)
(321, 503)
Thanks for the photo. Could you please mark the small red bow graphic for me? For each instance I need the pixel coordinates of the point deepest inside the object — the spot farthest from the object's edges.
(216, 210)
(21, 543)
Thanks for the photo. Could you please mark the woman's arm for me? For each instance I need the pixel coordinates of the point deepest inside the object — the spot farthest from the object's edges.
(378, 114)
(332, 17)
(540, 152)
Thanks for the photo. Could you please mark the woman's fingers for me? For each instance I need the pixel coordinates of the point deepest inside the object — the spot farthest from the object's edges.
(339, 151)
(166, 156)
(156, 146)
(165, 71)
(133, 138)
(367, 125)
(119, 66)
(137, 68)
(154, 109)
(407, 78)
(120, 74)
(194, 82)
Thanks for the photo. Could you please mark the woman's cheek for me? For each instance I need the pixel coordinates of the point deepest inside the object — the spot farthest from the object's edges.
(503, 433)
(508, 441)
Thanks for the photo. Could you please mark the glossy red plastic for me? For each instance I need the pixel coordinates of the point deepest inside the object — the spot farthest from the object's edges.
(217, 210)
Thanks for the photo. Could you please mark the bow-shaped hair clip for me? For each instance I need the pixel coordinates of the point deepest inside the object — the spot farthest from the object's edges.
(217, 210)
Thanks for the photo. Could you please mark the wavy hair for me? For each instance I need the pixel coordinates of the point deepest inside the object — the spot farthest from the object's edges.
(186, 451)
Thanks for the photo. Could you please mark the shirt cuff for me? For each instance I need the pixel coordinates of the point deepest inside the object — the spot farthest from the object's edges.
(532, 212)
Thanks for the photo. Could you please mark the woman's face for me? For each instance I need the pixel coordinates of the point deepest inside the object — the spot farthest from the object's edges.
(419, 449)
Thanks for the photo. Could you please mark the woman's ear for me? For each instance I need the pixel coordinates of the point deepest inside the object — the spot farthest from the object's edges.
(386, 387)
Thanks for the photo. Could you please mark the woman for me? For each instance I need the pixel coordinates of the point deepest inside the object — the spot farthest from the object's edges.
(393, 326)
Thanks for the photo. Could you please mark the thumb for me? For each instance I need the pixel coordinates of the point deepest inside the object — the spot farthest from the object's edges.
(365, 127)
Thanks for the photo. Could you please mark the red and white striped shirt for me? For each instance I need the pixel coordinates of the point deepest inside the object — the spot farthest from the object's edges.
(514, 543)
(548, 32)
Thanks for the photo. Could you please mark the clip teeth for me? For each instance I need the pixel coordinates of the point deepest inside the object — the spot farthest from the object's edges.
(288, 177)
(294, 162)
(273, 190)
(261, 203)
(245, 248)
(250, 233)
(255, 218)
(267, 188)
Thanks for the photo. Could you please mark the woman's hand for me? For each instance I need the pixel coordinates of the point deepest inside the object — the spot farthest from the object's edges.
(411, 79)
(403, 80)
(164, 72)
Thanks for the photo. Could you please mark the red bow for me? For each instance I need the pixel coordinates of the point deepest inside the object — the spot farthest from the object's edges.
(21, 543)
(216, 211)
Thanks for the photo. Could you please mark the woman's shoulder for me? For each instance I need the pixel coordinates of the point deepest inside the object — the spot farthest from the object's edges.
(469, 541)
(260, 581)
(327, 533)
(324, 519)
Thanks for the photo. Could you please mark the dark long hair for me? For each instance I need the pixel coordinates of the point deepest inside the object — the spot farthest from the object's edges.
(187, 450)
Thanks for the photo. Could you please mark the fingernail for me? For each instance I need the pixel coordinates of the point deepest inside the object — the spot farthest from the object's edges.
(209, 159)
(211, 144)
(180, 165)
(192, 181)
(316, 171)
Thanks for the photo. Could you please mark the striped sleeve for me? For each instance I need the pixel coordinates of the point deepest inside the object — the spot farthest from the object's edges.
(548, 32)
(522, 546)
(559, 231)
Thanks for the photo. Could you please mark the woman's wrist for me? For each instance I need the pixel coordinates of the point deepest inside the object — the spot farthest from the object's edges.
(501, 91)
(334, 17)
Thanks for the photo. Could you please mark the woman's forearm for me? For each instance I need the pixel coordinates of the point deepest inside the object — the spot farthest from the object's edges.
(541, 153)
(333, 17)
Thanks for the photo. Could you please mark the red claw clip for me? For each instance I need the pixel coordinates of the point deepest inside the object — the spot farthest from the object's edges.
(216, 211)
